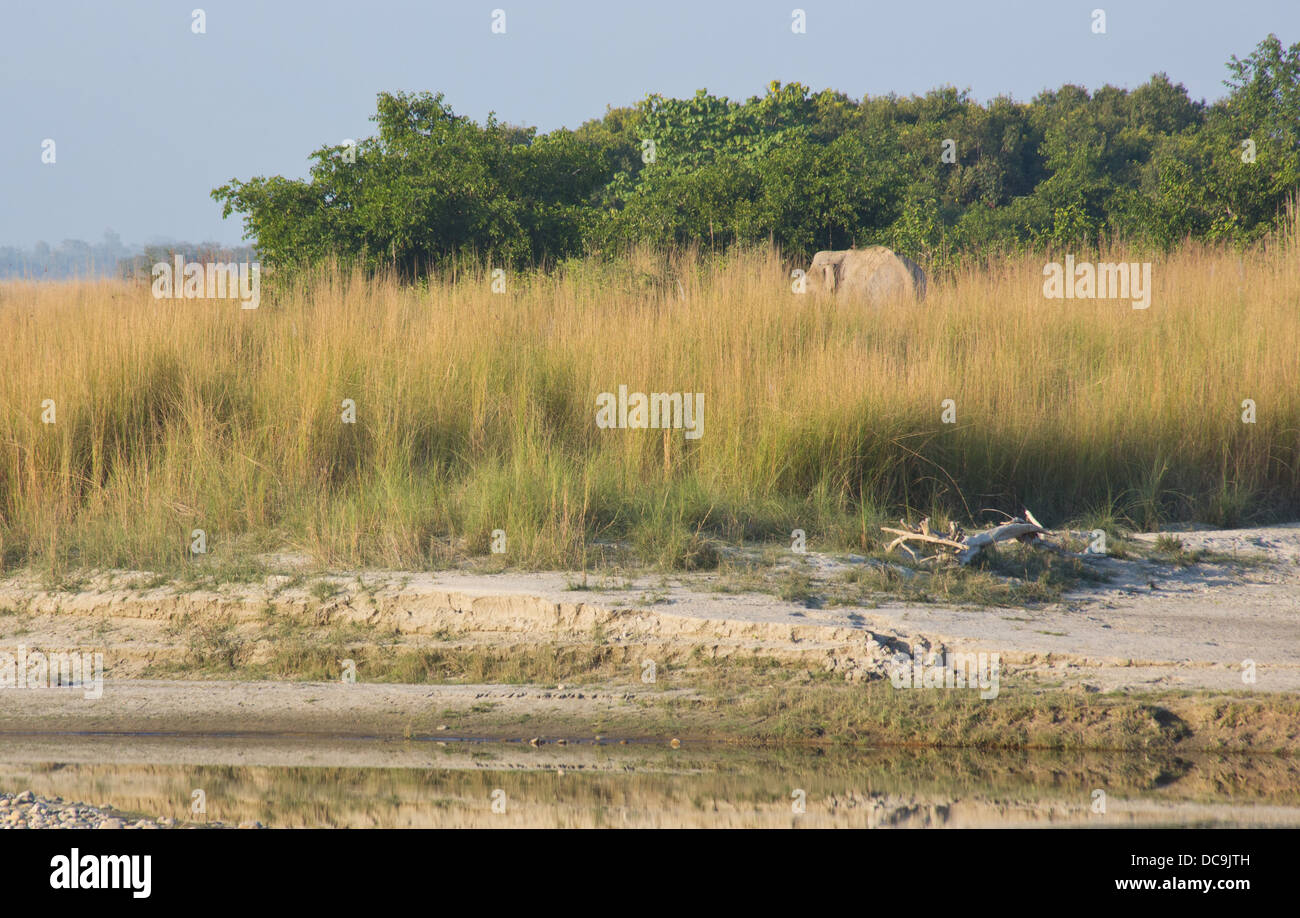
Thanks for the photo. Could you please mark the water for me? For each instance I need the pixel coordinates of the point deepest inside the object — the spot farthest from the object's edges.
(294, 781)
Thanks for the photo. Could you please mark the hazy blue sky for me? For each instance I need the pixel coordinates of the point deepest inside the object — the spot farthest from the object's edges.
(149, 117)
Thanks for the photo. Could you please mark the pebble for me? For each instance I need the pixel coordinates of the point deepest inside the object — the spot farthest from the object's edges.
(26, 810)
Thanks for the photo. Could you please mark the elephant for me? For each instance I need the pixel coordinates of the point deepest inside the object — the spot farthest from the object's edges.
(874, 275)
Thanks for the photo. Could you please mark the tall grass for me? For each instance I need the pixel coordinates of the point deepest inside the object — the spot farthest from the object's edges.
(476, 411)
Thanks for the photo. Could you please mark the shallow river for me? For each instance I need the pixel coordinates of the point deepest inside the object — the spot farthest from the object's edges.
(443, 782)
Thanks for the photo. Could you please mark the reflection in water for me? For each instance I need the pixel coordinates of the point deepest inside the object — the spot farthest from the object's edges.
(323, 782)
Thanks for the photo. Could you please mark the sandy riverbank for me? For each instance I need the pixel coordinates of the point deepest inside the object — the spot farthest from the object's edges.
(554, 659)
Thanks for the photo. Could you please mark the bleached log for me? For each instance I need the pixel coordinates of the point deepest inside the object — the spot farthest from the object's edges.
(904, 536)
(1065, 552)
(1026, 529)
(981, 540)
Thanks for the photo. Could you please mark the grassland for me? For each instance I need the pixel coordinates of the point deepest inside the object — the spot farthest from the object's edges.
(475, 411)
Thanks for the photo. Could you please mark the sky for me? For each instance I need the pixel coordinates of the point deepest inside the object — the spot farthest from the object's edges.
(148, 117)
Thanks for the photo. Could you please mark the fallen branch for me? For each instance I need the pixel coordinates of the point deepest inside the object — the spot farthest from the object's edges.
(1007, 531)
(905, 536)
(1024, 528)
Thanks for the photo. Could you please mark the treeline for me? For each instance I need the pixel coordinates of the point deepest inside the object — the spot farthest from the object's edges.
(70, 258)
(933, 175)
(140, 267)
(73, 258)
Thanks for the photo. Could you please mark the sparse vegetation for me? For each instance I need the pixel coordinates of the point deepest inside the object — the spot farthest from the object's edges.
(323, 590)
(216, 645)
(760, 699)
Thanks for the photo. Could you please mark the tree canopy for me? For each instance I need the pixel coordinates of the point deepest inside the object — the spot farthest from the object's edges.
(809, 171)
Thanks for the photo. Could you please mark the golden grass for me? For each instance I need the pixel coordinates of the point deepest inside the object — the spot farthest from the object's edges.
(476, 411)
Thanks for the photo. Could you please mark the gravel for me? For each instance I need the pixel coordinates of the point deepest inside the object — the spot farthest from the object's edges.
(28, 811)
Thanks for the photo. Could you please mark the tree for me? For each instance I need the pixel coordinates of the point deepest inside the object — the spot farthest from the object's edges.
(806, 170)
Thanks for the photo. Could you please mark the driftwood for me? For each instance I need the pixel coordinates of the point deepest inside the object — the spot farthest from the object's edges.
(1007, 531)
(905, 536)
(1024, 528)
